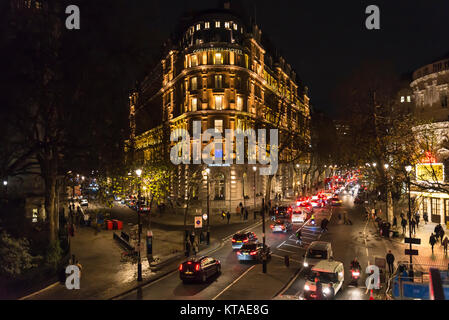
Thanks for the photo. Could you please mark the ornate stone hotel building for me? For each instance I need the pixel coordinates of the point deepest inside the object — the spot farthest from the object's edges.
(222, 72)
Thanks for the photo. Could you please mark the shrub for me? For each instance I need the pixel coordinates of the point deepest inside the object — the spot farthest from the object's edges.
(15, 257)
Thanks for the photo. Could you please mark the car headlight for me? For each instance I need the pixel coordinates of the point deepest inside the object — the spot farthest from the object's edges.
(306, 287)
(305, 264)
(327, 290)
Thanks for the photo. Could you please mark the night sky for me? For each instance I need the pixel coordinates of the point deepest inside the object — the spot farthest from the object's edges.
(325, 41)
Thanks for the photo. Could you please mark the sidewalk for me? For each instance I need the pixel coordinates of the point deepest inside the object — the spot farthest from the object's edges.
(425, 257)
(105, 274)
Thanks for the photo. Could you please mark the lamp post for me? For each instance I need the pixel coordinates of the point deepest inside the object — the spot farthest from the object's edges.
(254, 170)
(409, 169)
(139, 262)
(264, 256)
(386, 166)
(208, 217)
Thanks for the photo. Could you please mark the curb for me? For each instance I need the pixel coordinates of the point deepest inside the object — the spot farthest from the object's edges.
(219, 244)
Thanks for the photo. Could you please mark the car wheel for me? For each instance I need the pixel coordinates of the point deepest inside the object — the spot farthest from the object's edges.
(203, 277)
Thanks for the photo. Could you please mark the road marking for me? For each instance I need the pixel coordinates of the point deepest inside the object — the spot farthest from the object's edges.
(280, 245)
(40, 291)
(234, 282)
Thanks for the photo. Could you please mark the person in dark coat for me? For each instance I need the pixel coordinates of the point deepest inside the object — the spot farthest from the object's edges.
(425, 217)
(228, 215)
(412, 225)
(441, 235)
(390, 261)
(246, 214)
(417, 217)
(395, 222)
(432, 241)
(404, 225)
(319, 289)
(437, 231)
(445, 244)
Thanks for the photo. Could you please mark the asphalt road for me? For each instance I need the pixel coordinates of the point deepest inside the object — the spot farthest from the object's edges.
(348, 242)
(281, 244)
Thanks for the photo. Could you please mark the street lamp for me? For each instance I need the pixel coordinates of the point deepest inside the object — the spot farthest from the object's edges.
(409, 169)
(374, 164)
(5, 183)
(139, 262)
(386, 166)
(208, 217)
(254, 169)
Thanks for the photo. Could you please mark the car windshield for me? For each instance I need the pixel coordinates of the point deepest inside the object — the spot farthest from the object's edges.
(324, 277)
(249, 246)
(316, 254)
(240, 237)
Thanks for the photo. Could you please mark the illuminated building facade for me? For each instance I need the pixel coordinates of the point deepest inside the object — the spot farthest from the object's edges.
(218, 71)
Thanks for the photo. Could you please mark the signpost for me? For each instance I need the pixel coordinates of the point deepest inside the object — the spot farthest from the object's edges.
(412, 240)
(410, 252)
(198, 222)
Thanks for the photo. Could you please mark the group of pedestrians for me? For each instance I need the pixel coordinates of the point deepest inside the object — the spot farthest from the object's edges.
(412, 222)
(438, 236)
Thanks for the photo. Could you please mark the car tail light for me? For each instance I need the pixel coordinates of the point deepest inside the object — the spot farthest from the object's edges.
(180, 267)
(283, 227)
(253, 253)
(246, 240)
(272, 226)
(189, 262)
(197, 267)
(233, 240)
(239, 253)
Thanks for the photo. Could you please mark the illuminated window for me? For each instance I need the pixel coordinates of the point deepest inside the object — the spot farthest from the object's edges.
(206, 25)
(218, 81)
(34, 219)
(231, 57)
(204, 58)
(409, 99)
(194, 104)
(218, 125)
(194, 60)
(235, 26)
(239, 103)
(218, 102)
(198, 27)
(194, 84)
(402, 99)
(218, 58)
(217, 24)
(227, 25)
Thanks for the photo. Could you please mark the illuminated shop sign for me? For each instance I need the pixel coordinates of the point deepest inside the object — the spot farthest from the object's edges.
(430, 172)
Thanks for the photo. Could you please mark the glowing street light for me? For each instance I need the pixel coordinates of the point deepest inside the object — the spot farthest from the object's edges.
(5, 183)
(139, 172)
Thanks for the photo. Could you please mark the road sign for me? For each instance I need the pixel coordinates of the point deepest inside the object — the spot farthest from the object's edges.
(205, 216)
(198, 222)
(412, 240)
(409, 252)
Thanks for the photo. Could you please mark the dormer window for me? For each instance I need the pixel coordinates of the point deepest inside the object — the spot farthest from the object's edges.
(206, 25)
(217, 24)
(198, 27)
(235, 26)
(227, 25)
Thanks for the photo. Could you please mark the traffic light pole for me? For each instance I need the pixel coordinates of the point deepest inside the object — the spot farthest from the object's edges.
(139, 262)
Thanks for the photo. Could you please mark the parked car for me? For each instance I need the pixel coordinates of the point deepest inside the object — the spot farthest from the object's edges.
(199, 269)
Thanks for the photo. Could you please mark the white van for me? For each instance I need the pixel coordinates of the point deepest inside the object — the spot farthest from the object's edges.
(317, 251)
(327, 272)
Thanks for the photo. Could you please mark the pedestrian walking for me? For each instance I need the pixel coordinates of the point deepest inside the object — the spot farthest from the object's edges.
(432, 241)
(246, 213)
(395, 222)
(404, 225)
(445, 243)
(192, 237)
(441, 235)
(228, 215)
(223, 215)
(417, 218)
(299, 237)
(437, 229)
(390, 260)
(413, 224)
(425, 217)
(402, 215)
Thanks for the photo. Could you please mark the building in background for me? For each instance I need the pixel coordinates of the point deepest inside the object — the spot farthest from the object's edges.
(221, 71)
